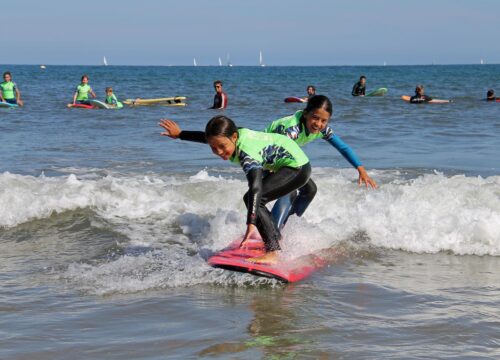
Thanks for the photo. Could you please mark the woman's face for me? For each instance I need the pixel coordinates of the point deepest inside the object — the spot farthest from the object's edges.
(317, 120)
(223, 146)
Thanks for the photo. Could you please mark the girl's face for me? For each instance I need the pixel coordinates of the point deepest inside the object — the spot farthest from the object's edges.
(7, 77)
(317, 120)
(109, 92)
(85, 80)
(223, 146)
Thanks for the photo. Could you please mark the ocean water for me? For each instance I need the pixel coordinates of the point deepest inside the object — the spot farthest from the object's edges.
(105, 226)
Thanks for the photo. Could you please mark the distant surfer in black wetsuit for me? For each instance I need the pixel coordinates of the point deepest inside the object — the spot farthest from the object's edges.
(490, 95)
(220, 98)
(419, 96)
(311, 91)
(359, 88)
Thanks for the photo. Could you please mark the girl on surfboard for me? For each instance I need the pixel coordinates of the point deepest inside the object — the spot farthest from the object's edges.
(302, 127)
(419, 96)
(274, 166)
(82, 92)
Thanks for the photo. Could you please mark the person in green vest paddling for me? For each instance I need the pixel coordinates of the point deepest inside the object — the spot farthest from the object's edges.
(9, 91)
(274, 166)
(82, 92)
(111, 99)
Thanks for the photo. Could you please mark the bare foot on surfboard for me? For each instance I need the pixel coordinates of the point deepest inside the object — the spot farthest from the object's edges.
(269, 258)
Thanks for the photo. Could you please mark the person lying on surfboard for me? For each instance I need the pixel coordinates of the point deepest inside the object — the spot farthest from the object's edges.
(302, 127)
(9, 92)
(490, 95)
(359, 89)
(311, 91)
(419, 96)
(274, 166)
(82, 92)
(111, 99)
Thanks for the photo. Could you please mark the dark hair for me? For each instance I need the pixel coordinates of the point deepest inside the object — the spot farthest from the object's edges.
(319, 102)
(7, 73)
(217, 82)
(490, 93)
(419, 88)
(312, 87)
(220, 125)
(362, 77)
(84, 76)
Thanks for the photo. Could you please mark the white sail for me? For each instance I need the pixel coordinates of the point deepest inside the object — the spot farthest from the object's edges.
(482, 62)
(229, 61)
(261, 61)
(385, 63)
(220, 61)
(104, 61)
(194, 62)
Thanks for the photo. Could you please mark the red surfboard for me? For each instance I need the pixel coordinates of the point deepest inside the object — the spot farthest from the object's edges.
(294, 99)
(80, 106)
(288, 270)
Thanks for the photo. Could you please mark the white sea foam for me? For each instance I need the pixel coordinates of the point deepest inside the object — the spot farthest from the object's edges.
(181, 218)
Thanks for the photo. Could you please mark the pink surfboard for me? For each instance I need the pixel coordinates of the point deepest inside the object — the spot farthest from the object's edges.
(288, 270)
(80, 106)
(294, 99)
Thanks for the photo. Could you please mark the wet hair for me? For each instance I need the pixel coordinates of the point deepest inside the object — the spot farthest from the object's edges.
(419, 88)
(109, 88)
(7, 73)
(490, 93)
(84, 76)
(220, 125)
(319, 102)
(217, 82)
(362, 77)
(311, 87)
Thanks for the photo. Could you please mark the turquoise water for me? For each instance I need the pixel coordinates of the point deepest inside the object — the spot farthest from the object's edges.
(105, 226)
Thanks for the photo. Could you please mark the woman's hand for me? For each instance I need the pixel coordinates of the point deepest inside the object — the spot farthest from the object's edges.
(364, 178)
(171, 128)
(252, 232)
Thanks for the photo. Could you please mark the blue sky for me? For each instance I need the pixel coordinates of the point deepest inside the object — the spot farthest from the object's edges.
(291, 32)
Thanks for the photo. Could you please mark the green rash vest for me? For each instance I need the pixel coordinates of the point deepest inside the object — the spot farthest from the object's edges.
(83, 92)
(292, 127)
(272, 152)
(112, 100)
(8, 90)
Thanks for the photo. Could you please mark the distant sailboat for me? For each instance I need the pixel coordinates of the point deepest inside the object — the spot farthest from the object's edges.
(220, 61)
(194, 62)
(229, 61)
(482, 62)
(261, 61)
(385, 63)
(104, 61)
(42, 67)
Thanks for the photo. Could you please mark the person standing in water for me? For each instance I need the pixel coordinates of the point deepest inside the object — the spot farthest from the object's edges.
(359, 89)
(220, 97)
(490, 95)
(274, 166)
(9, 92)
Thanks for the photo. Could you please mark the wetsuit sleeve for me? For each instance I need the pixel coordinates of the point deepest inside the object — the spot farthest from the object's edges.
(345, 150)
(354, 91)
(195, 136)
(254, 177)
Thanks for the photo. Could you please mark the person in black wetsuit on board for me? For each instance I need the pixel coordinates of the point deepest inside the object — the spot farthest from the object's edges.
(419, 97)
(220, 98)
(311, 91)
(490, 95)
(359, 88)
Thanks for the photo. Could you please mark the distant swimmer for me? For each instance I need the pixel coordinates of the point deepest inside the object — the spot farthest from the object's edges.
(311, 91)
(419, 96)
(490, 95)
(9, 91)
(359, 89)
(220, 98)
(82, 92)
(111, 99)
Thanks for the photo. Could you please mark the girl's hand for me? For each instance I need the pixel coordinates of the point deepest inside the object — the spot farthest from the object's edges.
(252, 232)
(364, 178)
(172, 129)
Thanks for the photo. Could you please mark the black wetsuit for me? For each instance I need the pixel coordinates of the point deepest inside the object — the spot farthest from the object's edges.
(220, 101)
(419, 99)
(358, 89)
